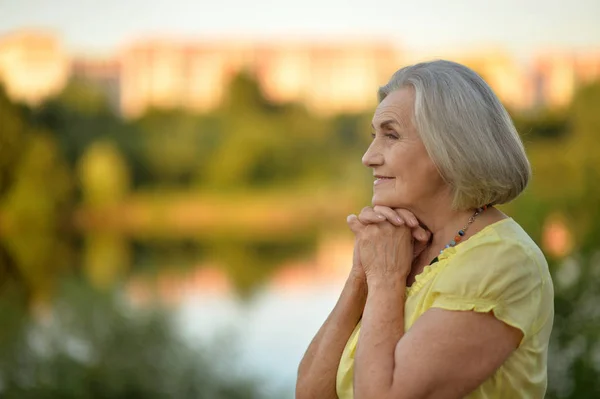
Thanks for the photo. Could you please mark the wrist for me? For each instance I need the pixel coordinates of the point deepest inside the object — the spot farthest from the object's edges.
(357, 280)
(390, 280)
(357, 283)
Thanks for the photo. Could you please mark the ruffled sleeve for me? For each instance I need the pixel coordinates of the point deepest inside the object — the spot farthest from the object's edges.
(495, 275)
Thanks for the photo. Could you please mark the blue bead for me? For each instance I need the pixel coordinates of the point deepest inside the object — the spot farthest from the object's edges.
(441, 252)
(452, 243)
(447, 246)
(461, 233)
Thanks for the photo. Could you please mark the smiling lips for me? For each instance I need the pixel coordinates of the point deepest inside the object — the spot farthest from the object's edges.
(382, 179)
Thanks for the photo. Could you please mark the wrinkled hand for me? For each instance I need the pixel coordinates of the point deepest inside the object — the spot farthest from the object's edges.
(398, 217)
(384, 250)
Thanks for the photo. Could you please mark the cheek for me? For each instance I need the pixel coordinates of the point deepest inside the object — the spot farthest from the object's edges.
(433, 179)
(418, 173)
(429, 170)
(404, 163)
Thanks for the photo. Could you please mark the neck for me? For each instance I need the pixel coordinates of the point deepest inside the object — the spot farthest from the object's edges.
(444, 223)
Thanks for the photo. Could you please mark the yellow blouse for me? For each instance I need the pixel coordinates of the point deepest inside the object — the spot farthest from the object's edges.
(498, 269)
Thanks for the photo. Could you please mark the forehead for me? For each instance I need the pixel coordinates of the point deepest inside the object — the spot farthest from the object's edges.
(397, 106)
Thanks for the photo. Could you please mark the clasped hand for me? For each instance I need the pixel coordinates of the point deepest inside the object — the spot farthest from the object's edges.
(387, 242)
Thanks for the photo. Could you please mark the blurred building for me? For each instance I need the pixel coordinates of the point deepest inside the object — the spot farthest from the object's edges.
(556, 76)
(163, 74)
(341, 77)
(554, 79)
(327, 78)
(587, 67)
(33, 66)
(510, 81)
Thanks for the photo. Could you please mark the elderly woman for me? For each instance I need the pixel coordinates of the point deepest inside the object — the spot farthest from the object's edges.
(447, 296)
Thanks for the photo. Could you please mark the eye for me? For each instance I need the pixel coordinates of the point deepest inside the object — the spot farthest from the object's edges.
(392, 136)
(373, 136)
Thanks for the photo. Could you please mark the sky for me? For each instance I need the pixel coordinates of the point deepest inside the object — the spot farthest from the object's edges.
(519, 26)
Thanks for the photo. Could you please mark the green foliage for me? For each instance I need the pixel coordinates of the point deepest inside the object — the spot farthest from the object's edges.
(576, 360)
(77, 117)
(41, 186)
(171, 145)
(92, 344)
(12, 132)
(541, 125)
(565, 181)
(103, 175)
(247, 143)
(244, 96)
(34, 206)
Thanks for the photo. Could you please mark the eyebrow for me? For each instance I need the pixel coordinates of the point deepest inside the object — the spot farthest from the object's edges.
(385, 124)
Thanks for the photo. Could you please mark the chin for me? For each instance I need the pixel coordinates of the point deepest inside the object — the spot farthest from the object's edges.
(390, 202)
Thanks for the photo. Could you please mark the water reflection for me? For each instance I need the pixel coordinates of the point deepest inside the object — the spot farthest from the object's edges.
(272, 328)
(265, 329)
(271, 331)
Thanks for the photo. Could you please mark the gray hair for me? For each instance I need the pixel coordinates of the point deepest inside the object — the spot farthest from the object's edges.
(467, 132)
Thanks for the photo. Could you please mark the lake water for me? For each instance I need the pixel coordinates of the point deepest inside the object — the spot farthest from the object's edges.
(270, 332)
(267, 334)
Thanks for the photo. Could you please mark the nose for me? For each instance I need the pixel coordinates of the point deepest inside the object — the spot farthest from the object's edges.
(372, 157)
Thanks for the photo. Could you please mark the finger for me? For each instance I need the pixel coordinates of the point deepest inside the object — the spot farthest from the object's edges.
(399, 214)
(418, 248)
(389, 214)
(368, 216)
(407, 216)
(354, 224)
(421, 234)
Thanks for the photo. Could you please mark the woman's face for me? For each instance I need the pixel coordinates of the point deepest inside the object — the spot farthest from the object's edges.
(407, 176)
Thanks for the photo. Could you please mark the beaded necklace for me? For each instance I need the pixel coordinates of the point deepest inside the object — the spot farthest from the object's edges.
(459, 236)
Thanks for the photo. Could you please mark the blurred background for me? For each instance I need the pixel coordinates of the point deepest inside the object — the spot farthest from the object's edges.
(175, 178)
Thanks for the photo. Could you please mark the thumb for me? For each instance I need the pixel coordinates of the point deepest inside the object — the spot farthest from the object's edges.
(354, 224)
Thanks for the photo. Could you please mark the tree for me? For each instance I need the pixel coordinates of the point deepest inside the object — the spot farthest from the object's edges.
(12, 133)
(565, 182)
(90, 344)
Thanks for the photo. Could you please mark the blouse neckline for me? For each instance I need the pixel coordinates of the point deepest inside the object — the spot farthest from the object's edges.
(434, 267)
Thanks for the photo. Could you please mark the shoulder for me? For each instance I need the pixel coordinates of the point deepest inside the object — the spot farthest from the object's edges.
(501, 251)
(500, 269)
